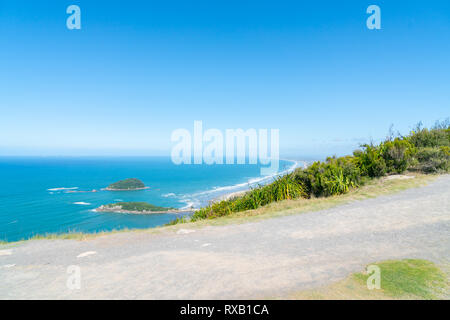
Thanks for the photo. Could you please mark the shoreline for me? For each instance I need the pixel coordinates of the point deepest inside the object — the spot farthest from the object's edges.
(230, 195)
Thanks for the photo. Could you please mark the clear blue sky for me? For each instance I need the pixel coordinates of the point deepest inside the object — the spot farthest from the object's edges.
(139, 69)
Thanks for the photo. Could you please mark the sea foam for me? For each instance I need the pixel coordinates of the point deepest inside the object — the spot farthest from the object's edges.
(62, 188)
(82, 203)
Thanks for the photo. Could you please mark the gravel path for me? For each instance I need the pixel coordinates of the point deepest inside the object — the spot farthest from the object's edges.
(262, 259)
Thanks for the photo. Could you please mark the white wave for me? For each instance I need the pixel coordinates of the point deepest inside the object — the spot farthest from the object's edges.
(82, 203)
(62, 188)
(250, 182)
(118, 200)
(190, 203)
(167, 195)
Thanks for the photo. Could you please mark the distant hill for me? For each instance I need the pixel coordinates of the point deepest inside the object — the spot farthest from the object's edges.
(127, 185)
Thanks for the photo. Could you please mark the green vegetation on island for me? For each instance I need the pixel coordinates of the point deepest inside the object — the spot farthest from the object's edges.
(134, 207)
(423, 150)
(127, 184)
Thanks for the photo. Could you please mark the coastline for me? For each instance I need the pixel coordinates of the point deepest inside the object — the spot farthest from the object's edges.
(256, 181)
(221, 197)
(83, 203)
(230, 195)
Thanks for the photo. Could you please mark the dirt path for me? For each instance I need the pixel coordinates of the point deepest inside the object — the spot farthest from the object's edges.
(255, 260)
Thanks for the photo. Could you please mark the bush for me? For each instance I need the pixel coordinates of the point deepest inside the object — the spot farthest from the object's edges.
(177, 220)
(391, 156)
(432, 160)
(437, 137)
(335, 176)
(370, 161)
(283, 188)
(397, 154)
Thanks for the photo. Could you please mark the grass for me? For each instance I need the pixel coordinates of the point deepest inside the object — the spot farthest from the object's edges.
(409, 278)
(68, 236)
(76, 235)
(400, 279)
(372, 189)
(81, 236)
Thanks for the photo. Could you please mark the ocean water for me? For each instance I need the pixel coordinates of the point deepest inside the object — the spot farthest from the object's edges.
(47, 194)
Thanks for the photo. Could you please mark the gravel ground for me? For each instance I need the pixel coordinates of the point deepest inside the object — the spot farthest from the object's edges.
(262, 259)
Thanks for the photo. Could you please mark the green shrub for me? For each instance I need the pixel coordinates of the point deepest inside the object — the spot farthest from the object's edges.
(335, 176)
(397, 154)
(437, 137)
(432, 160)
(177, 220)
(283, 188)
(445, 150)
(370, 161)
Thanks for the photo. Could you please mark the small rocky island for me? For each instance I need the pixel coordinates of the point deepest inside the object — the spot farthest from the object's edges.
(127, 185)
(135, 208)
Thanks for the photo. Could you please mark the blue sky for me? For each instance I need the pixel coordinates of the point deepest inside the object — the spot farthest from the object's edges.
(137, 70)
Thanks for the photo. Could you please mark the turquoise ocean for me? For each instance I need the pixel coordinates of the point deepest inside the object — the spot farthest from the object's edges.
(41, 195)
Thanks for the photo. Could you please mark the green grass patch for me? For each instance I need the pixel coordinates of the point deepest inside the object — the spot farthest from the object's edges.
(410, 278)
(400, 279)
